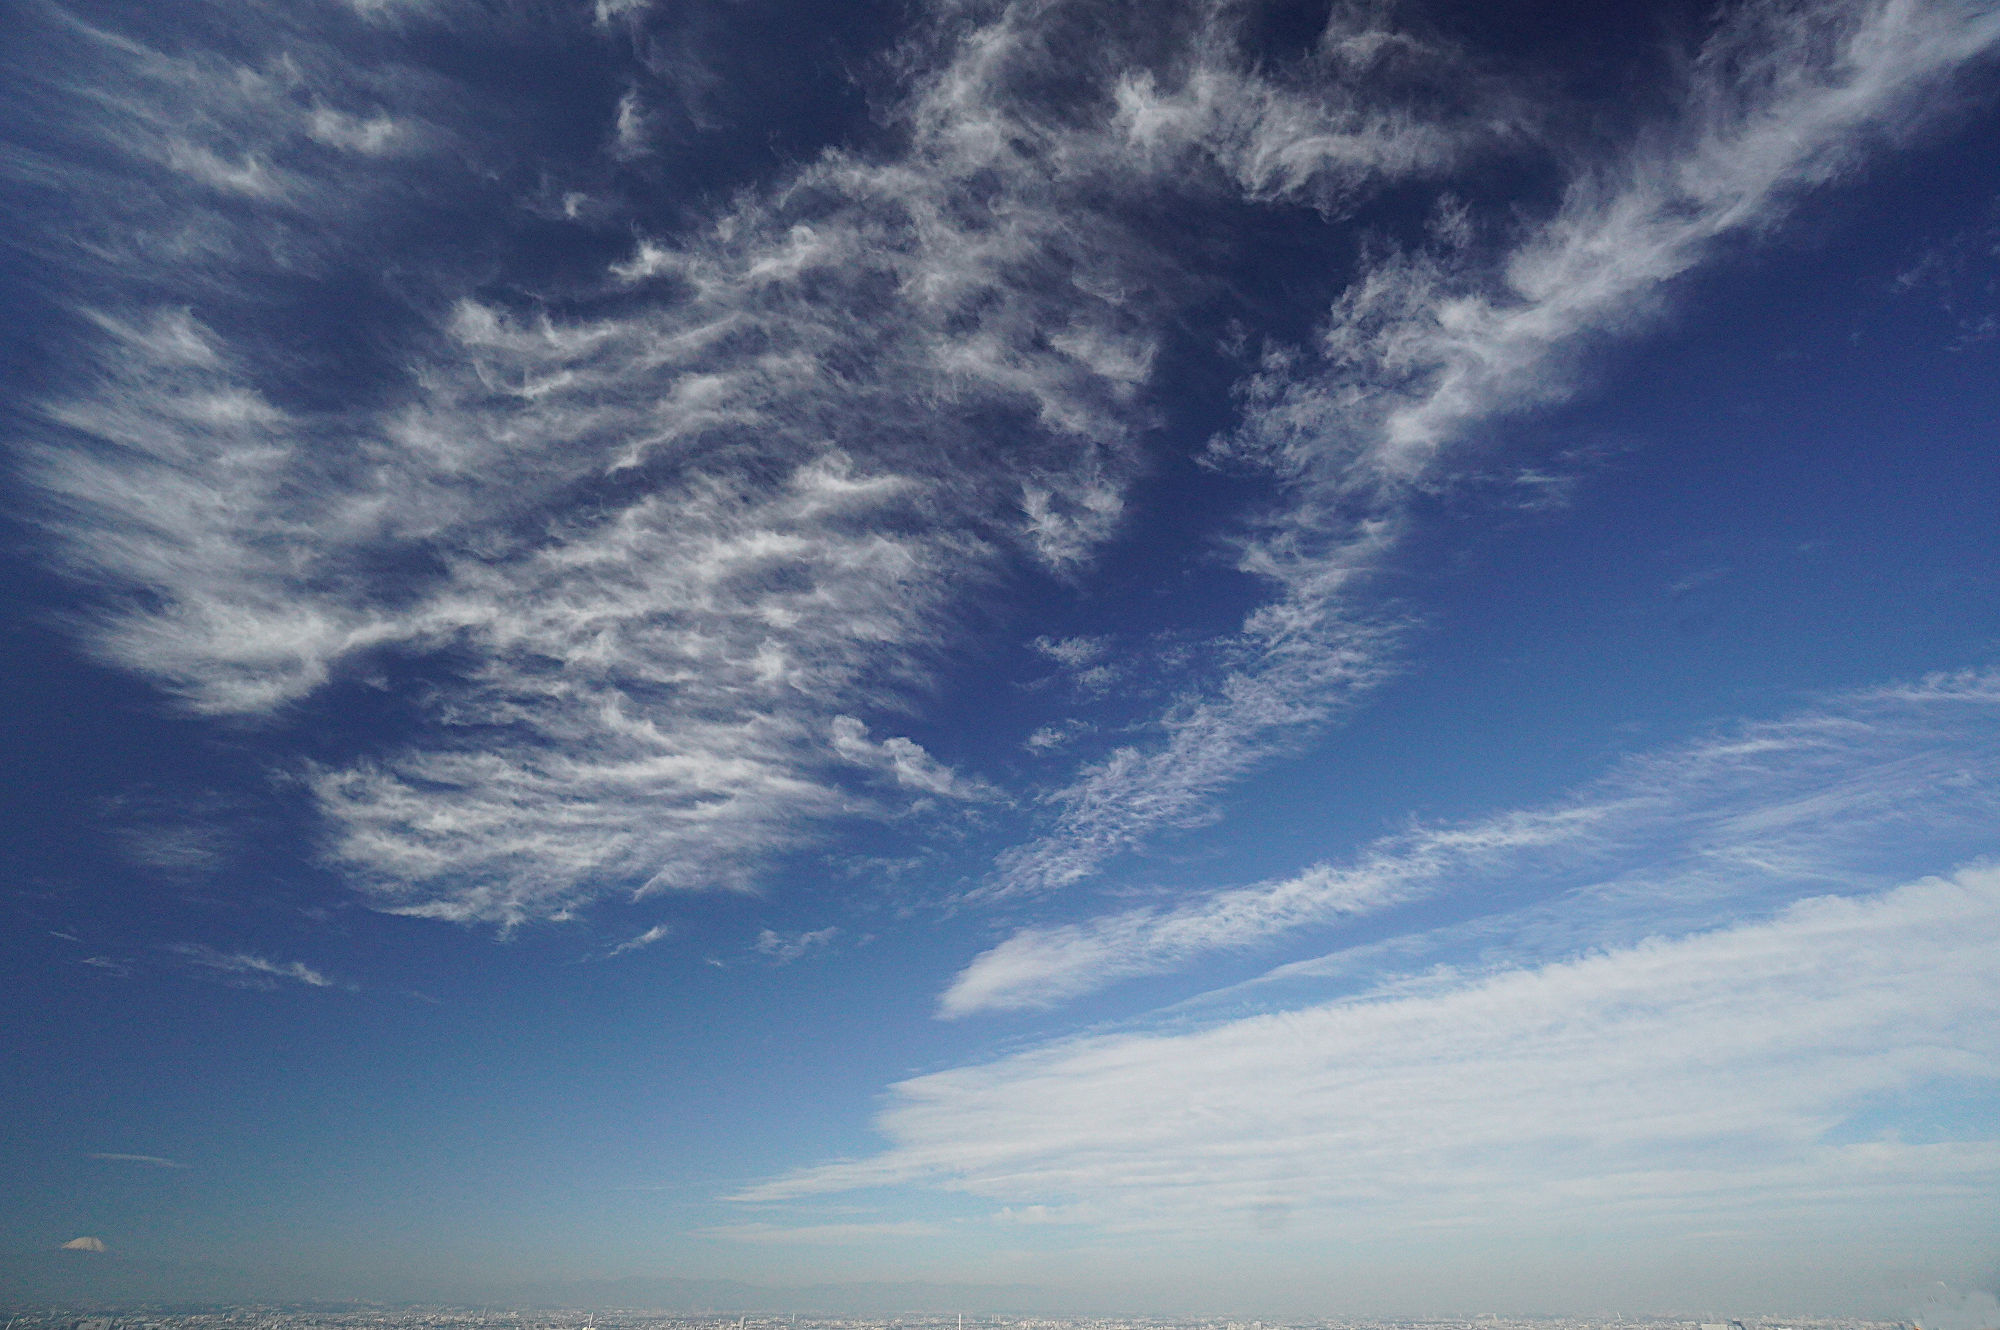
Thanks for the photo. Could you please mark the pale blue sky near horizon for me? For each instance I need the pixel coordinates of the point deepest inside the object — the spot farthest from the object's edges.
(1239, 658)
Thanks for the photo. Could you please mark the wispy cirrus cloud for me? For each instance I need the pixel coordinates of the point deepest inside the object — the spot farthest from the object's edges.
(247, 969)
(1686, 835)
(1433, 345)
(660, 537)
(785, 948)
(904, 762)
(639, 941)
(1664, 1084)
(1295, 666)
(146, 1161)
(1429, 349)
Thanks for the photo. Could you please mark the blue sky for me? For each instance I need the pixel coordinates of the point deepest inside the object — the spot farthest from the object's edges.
(1194, 656)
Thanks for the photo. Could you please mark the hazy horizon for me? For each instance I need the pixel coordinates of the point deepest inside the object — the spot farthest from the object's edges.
(620, 1304)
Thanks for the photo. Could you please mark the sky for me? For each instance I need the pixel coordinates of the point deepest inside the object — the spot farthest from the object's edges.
(1201, 656)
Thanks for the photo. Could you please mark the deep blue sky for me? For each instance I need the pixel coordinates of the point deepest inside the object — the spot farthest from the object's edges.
(1193, 657)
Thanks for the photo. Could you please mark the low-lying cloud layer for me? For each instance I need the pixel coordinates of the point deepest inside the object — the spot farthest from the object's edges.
(1678, 1081)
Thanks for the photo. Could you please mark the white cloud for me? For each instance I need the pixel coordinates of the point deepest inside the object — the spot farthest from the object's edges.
(148, 1161)
(647, 554)
(1346, 118)
(1048, 738)
(192, 171)
(1074, 653)
(248, 969)
(1769, 809)
(1296, 665)
(787, 947)
(1426, 349)
(632, 131)
(653, 554)
(656, 933)
(1429, 347)
(371, 135)
(905, 762)
(1082, 661)
(1667, 1083)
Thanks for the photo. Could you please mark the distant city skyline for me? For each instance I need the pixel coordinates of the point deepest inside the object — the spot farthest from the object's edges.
(1243, 658)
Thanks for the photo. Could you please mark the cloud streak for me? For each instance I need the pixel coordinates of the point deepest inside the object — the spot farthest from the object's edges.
(1428, 350)
(1429, 347)
(661, 540)
(1734, 822)
(657, 933)
(657, 547)
(784, 948)
(249, 970)
(1671, 1081)
(148, 1161)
